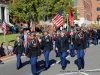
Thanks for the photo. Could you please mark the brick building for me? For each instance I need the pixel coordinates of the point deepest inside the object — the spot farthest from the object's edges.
(96, 11)
(84, 9)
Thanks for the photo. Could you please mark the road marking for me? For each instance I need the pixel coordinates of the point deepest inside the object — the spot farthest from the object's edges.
(51, 65)
(68, 73)
(84, 73)
(91, 45)
(94, 70)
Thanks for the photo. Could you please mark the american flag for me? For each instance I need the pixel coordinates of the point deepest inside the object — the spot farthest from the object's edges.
(31, 26)
(4, 27)
(58, 19)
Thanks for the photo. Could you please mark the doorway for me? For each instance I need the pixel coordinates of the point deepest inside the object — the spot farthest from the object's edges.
(2, 13)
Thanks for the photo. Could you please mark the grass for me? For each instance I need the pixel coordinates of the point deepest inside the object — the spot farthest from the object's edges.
(8, 38)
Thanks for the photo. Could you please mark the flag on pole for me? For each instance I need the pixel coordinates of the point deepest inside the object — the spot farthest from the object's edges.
(58, 19)
(70, 16)
(4, 27)
(31, 26)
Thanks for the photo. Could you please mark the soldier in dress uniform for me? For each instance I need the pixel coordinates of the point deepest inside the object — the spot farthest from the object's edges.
(18, 50)
(62, 47)
(80, 48)
(98, 33)
(71, 44)
(87, 37)
(33, 52)
(57, 36)
(95, 36)
(46, 46)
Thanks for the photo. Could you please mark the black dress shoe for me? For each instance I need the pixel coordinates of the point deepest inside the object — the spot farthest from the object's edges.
(36, 74)
(18, 68)
(63, 67)
(83, 67)
(79, 68)
(46, 68)
(57, 56)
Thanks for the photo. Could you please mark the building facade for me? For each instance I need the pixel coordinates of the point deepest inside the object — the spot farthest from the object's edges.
(84, 10)
(4, 12)
(96, 11)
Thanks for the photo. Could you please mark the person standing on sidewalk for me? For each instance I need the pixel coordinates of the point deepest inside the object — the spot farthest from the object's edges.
(18, 50)
(33, 52)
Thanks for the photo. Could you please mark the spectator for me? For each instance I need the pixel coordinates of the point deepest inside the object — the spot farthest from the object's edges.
(1, 62)
(5, 48)
(22, 34)
(2, 53)
(10, 49)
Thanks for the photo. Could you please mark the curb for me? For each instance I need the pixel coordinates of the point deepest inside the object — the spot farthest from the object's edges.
(8, 58)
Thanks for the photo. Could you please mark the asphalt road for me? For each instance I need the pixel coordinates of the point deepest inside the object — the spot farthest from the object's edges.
(92, 65)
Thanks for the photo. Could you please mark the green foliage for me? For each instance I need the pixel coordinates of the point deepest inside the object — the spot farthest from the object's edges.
(39, 9)
(95, 24)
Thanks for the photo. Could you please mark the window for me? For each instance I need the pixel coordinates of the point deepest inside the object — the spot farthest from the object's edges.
(75, 2)
(98, 8)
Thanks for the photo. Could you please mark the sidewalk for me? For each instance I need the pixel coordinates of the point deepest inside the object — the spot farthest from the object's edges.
(8, 57)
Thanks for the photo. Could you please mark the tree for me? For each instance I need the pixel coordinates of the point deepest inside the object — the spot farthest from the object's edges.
(39, 9)
(95, 24)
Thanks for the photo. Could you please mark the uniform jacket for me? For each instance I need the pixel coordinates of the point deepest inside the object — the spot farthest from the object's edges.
(19, 47)
(46, 43)
(80, 41)
(33, 48)
(62, 43)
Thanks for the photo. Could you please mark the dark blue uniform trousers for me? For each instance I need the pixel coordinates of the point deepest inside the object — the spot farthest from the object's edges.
(80, 57)
(72, 53)
(95, 41)
(33, 61)
(18, 64)
(46, 56)
(87, 43)
(63, 58)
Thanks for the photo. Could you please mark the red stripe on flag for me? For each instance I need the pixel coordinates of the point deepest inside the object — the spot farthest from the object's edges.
(4, 27)
(58, 19)
(31, 27)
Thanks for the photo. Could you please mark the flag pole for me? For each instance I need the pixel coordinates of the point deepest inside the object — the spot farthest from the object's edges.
(4, 35)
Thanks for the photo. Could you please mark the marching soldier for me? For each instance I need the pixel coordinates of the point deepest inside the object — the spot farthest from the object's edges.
(57, 36)
(95, 36)
(47, 46)
(71, 44)
(18, 50)
(80, 48)
(33, 52)
(62, 47)
(87, 37)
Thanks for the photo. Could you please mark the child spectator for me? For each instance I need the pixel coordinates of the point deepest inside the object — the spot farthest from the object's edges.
(5, 48)
(10, 49)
